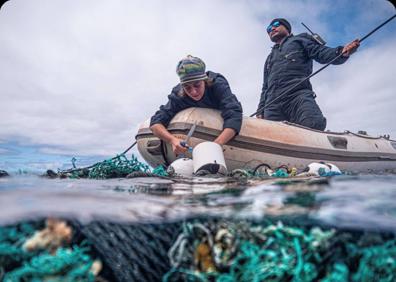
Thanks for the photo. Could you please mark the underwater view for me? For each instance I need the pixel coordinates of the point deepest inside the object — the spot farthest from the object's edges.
(144, 225)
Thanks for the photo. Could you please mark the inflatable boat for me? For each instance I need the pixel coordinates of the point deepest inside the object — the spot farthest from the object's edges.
(272, 143)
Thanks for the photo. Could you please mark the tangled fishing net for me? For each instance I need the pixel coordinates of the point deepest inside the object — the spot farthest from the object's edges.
(197, 250)
(116, 167)
(27, 254)
(241, 251)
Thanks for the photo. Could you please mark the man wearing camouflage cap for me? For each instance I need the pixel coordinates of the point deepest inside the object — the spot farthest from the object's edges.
(198, 88)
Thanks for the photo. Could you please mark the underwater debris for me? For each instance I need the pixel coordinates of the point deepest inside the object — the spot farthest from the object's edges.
(203, 258)
(27, 254)
(243, 251)
(56, 234)
(65, 265)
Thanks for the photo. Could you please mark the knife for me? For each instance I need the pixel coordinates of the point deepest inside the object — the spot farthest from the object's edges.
(184, 143)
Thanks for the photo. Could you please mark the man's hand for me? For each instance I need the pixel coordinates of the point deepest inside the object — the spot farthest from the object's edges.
(177, 147)
(350, 48)
(161, 132)
(226, 135)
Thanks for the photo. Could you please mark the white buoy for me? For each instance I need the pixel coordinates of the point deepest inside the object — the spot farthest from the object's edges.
(334, 168)
(181, 167)
(321, 169)
(318, 168)
(209, 156)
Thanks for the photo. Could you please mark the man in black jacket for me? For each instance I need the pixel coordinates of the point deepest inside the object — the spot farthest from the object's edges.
(198, 88)
(289, 62)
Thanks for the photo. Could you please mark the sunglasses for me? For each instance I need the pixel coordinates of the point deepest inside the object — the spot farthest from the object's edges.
(274, 24)
(189, 86)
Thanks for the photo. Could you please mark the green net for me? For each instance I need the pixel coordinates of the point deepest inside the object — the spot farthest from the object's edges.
(11, 241)
(119, 166)
(255, 252)
(116, 167)
(18, 264)
(377, 263)
(65, 265)
(205, 249)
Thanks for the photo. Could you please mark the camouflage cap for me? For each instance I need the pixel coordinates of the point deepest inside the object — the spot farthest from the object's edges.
(191, 69)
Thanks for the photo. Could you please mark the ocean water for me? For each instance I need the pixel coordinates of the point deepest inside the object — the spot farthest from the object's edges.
(363, 202)
(132, 225)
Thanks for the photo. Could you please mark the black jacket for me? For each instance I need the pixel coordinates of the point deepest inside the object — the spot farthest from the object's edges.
(217, 96)
(290, 62)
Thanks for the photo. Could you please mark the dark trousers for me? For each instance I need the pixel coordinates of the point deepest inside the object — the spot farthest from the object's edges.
(299, 108)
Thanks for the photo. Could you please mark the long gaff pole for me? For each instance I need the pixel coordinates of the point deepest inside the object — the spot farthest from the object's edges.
(322, 68)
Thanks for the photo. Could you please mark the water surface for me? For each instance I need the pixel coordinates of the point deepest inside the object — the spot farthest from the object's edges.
(347, 201)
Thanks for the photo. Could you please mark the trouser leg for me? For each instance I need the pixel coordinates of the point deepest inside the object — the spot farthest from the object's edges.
(274, 112)
(304, 110)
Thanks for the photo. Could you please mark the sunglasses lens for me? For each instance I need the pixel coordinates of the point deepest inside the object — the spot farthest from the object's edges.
(275, 24)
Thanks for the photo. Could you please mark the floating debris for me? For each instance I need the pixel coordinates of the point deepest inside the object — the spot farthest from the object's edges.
(116, 167)
(3, 173)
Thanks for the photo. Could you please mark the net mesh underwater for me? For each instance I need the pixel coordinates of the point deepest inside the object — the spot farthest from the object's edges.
(200, 249)
(195, 249)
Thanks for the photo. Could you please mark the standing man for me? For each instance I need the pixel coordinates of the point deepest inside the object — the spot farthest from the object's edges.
(289, 62)
(201, 89)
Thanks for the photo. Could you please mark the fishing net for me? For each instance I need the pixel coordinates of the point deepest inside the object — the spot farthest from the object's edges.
(204, 249)
(116, 167)
(27, 255)
(246, 251)
(134, 252)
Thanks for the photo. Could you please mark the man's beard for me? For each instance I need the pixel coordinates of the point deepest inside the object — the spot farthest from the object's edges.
(277, 37)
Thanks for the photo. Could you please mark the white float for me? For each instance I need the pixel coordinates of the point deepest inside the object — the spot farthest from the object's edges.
(183, 167)
(209, 156)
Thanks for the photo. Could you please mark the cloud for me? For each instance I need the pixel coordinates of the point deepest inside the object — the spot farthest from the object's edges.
(358, 95)
(79, 77)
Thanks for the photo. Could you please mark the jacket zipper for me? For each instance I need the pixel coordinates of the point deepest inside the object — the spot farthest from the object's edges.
(292, 53)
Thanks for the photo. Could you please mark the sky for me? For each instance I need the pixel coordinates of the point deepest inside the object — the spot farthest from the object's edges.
(78, 77)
